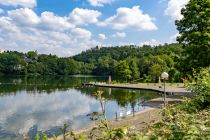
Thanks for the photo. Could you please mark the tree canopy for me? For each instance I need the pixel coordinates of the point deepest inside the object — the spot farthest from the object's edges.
(194, 30)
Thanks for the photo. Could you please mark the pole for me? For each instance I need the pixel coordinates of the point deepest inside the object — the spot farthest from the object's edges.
(85, 73)
(116, 116)
(164, 93)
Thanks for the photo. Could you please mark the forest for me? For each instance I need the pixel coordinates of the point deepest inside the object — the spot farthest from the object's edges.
(128, 62)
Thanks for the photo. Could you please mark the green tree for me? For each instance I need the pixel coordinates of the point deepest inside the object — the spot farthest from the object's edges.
(31, 68)
(49, 62)
(123, 70)
(194, 30)
(134, 69)
(155, 72)
(11, 63)
(32, 55)
(103, 65)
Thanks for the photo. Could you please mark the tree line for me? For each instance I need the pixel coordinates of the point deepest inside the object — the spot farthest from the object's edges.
(32, 63)
(126, 62)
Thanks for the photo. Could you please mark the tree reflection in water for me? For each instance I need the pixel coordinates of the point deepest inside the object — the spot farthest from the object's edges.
(43, 104)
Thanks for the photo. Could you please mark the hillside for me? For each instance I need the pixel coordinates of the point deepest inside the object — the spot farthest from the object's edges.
(132, 62)
(124, 52)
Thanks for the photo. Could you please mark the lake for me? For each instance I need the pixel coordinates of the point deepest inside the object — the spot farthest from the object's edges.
(43, 104)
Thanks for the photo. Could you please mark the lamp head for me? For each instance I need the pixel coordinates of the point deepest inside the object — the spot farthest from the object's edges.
(164, 75)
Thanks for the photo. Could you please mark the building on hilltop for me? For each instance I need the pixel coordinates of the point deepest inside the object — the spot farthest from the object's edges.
(98, 47)
(1, 50)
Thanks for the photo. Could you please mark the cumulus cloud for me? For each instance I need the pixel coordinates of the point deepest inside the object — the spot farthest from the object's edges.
(174, 8)
(130, 18)
(51, 21)
(100, 3)
(23, 30)
(81, 16)
(102, 36)
(7, 26)
(24, 16)
(22, 3)
(81, 33)
(119, 34)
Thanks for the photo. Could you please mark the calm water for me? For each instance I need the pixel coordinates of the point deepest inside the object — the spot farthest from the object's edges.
(43, 104)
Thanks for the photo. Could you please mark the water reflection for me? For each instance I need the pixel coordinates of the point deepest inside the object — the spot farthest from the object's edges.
(43, 105)
(24, 111)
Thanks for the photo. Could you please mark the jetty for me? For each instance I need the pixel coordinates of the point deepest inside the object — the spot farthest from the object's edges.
(170, 89)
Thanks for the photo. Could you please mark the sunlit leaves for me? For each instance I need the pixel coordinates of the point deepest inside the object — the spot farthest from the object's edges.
(194, 29)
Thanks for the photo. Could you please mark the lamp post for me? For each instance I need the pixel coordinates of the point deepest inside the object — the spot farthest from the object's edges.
(164, 76)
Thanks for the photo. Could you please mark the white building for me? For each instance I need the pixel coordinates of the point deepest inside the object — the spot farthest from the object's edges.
(1, 50)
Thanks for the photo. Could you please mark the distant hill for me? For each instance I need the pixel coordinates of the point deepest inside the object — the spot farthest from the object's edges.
(124, 52)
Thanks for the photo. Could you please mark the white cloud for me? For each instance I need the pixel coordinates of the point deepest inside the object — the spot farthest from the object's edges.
(1, 11)
(51, 21)
(119, 34)
(130, 18)
(81, 33)
(24, 16)
(22, 3)
(27, 17)
(152, 42)
(100, 3)
(174, 8)
(23, 30)
(102, 36)
(7, 26)
(84, 16)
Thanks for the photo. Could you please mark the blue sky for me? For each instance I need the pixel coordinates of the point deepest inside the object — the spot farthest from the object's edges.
(67, 27)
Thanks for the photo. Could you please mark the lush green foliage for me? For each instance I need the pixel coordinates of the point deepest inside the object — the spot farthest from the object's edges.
(194, 30)
(33, 64)
(134, 62)
(124, 63)
(201, 87)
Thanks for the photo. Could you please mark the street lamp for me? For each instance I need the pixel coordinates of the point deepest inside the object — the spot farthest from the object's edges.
(164, 76)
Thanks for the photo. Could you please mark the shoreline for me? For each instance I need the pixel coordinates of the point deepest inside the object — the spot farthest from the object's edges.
(152, 113)
(146, 115)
